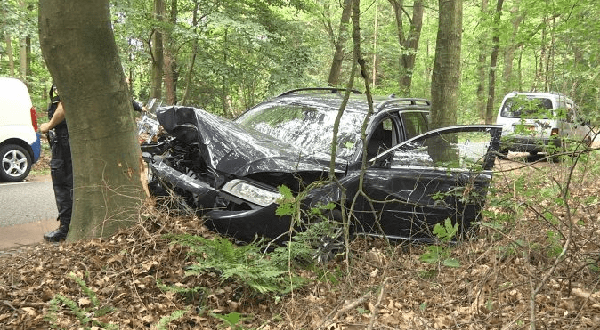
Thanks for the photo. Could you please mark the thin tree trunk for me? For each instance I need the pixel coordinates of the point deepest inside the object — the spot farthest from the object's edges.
(445, 84)
(375, 29)
(339, 44)
(188, 76)
(481, 64)
(409, 45)
(157, 52)
(509, 51)
(78, 43)
(9, 50)
(171, 73)
(489, 111)
(23, 59)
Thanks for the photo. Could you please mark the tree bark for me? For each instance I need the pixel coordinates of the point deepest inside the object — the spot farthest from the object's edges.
(23, 59)
(171, 74)
(339, 44)
(481, 64)
(409, 45)
(79, 48)
(445, 82)
(511, 48)
(157, 52)
(9, 51)
(489, 110)
(188, 76)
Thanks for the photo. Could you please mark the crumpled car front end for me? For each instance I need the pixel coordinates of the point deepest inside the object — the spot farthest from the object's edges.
(229, 174)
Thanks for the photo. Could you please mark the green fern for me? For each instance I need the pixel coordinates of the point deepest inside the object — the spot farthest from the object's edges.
(164, 321)
(241, 263)
(81, 313)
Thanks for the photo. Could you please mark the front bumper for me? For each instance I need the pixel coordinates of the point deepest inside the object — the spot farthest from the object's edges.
(528, 144)
(248, 225)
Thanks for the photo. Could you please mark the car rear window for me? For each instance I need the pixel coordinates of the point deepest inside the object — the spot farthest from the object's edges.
(522, 107)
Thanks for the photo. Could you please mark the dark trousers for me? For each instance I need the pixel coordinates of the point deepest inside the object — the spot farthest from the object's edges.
(62, 178)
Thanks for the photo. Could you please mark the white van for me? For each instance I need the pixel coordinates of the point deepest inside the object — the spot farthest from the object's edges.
(19, 141)
(540, 122)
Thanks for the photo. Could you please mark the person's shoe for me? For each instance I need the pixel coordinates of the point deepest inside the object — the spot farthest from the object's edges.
(57, 235)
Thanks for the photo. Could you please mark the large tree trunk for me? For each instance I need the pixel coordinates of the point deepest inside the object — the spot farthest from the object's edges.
(409, 45)
(157, 52)
(445, 82)
(489, 110)
(81, 54)
(339, 43)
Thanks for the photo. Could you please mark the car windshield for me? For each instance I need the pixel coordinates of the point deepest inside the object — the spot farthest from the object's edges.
(308, 127)
(521, 107)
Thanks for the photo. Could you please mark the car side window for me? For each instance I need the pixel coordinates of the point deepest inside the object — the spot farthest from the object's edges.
(414, 123)
(462, 150)
(381, 139)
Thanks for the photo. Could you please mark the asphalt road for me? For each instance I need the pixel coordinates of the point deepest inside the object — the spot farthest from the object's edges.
(26, 202)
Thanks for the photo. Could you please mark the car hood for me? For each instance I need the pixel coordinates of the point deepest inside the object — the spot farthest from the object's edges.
(230, 148)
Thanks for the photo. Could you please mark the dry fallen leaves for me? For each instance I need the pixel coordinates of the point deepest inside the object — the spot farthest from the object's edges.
(490, 290)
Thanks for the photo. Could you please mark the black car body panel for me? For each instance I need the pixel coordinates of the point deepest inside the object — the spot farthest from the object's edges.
(230, 171)
(230, 149)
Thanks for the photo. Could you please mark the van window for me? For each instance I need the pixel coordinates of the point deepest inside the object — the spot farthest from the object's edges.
(521, 107)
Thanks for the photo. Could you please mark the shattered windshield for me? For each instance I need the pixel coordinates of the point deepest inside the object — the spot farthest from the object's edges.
(307, 127)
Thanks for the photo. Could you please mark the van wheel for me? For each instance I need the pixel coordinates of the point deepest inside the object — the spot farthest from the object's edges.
(16, 163)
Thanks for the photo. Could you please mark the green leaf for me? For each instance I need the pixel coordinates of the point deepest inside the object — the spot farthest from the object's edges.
(451, 263)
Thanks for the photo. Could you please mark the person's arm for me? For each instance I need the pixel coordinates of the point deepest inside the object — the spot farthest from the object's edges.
(57, 118)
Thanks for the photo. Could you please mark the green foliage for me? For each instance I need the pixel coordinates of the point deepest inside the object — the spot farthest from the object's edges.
(230, 320)
(163, 323)
(288, 205)
(87, 316)
(245, 264)
(440, 253)
(555, 247)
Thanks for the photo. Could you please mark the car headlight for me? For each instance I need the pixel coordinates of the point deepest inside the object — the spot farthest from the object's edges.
(249, 192)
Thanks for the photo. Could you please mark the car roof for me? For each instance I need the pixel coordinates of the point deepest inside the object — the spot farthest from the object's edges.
(548, 95)
(331, 98)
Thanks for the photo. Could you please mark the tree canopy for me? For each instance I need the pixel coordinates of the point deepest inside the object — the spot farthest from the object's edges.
(229, 55)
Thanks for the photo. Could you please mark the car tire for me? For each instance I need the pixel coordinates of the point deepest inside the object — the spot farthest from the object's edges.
(16, 163)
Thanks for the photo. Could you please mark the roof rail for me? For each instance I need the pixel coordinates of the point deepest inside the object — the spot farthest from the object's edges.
(405, 101)
(318, 89)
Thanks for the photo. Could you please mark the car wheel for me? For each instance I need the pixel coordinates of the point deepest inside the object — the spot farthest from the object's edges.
(16, 163)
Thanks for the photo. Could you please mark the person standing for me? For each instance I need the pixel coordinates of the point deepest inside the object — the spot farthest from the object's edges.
(60, 165)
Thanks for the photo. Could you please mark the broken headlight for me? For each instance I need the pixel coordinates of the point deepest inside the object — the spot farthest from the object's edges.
(251, 193)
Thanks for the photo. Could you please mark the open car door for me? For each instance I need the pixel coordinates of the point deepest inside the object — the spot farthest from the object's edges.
(444, 173)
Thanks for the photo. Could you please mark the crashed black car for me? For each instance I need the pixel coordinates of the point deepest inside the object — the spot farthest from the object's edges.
(230, 171)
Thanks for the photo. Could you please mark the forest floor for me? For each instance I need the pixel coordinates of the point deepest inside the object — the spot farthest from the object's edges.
(533, 259)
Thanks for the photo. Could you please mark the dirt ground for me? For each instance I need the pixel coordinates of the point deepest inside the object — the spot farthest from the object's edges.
(540, 267)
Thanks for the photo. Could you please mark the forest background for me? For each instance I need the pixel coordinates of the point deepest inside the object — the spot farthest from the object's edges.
(534, 262)
(227, 56)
